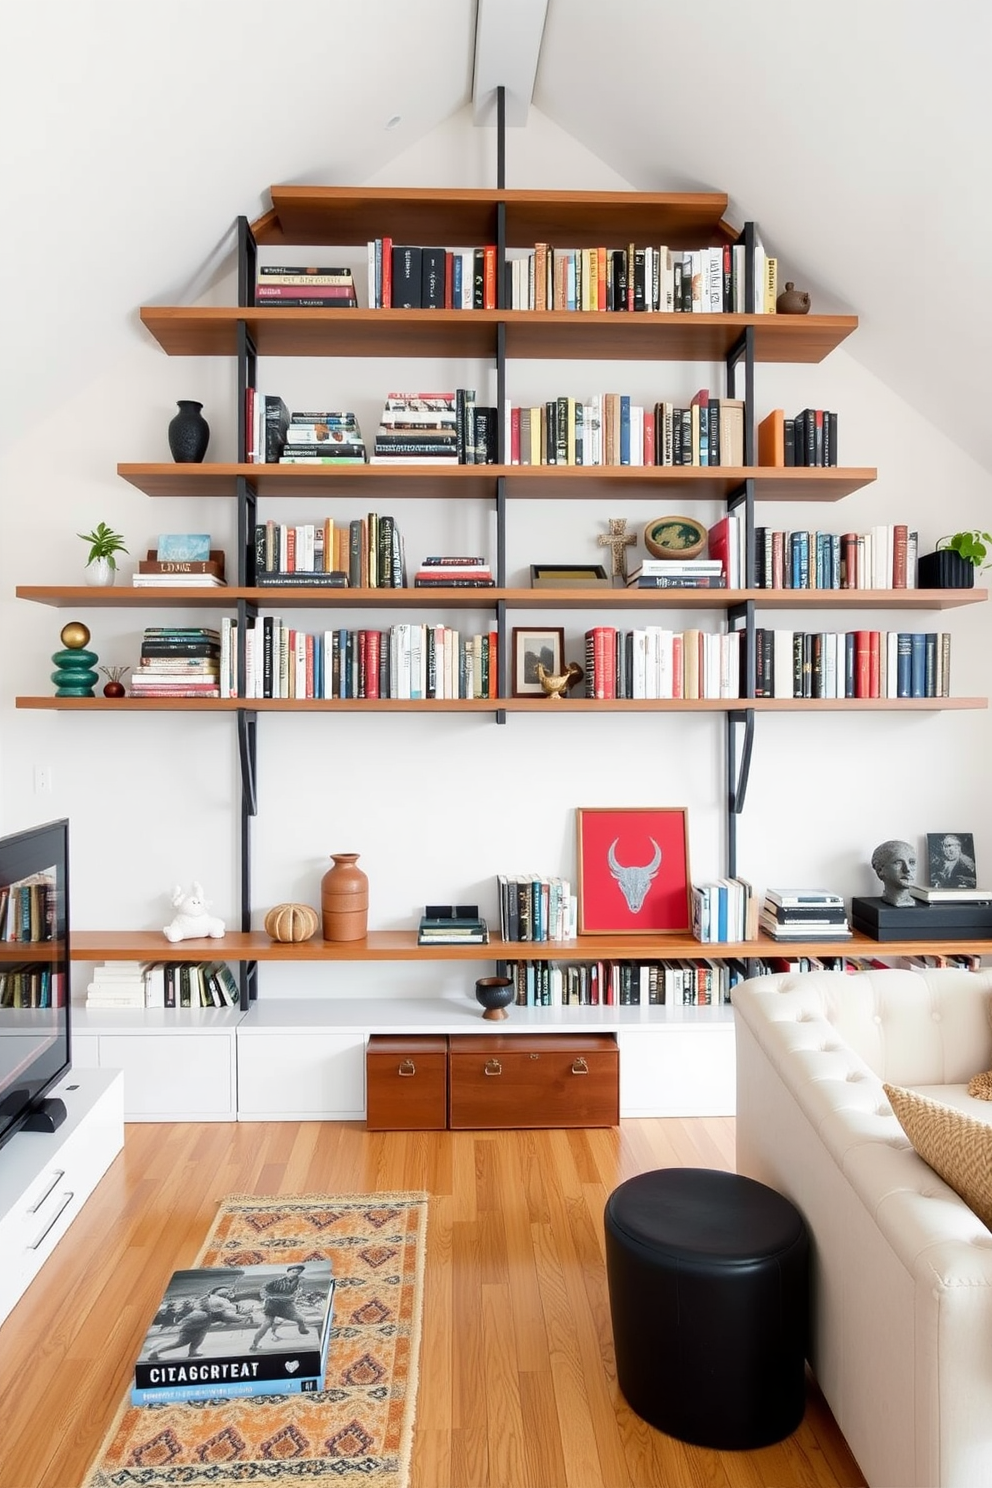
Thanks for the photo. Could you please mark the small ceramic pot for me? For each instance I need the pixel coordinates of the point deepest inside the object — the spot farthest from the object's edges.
(100, 574)
(494, 993)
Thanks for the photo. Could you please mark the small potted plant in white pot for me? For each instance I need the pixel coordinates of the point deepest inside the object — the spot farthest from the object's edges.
(101, 565)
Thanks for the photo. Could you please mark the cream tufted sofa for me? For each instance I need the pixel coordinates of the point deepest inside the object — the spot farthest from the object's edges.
(902, 1269)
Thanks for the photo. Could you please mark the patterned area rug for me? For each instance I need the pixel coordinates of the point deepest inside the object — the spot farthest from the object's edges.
(360, 1428)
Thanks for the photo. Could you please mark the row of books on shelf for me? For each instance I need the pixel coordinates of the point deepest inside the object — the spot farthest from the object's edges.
(363, 552)
(613, 429)
(884, 557)
(654, 662)
(679, 982)
(852, 664)
(809, 438)
(724, 911)
(238, 1330)
(162, 984)
(408, 660)
(28, 985)
(533, 907)
(632, 278)
(28, 908)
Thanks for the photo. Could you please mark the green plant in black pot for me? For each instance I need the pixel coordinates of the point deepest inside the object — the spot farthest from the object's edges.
(972, 546)
(955, 561)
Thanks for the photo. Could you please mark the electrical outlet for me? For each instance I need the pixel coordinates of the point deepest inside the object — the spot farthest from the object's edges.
(43, 780)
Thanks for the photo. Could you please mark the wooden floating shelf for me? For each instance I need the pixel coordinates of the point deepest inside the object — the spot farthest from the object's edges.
(478, 482)
(83, 596)
(206, 330)
(344, 215)
(557, 708)
(401, 945)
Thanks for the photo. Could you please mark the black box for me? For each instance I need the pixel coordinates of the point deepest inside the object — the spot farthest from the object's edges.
(921, 921)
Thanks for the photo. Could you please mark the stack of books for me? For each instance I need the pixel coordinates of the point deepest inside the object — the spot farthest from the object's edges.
(224, 1331)
(950, 896)
(323, 437)
(117, 984)
(804, 914)
(181, 560)
(452, 924)
(178, 661)
(422, 428)
(453, 573)
(678, 573)
(297, 287)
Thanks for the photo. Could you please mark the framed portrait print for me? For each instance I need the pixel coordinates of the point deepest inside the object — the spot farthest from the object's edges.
(530, 646)
(633, 870)
(951, 860)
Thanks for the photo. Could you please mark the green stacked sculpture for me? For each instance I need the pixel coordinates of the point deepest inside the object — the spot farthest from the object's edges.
(76, 675)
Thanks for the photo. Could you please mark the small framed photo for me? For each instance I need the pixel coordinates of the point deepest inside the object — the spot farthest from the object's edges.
(530, 647)
(633, 870)
(951, 859)
(568, 576)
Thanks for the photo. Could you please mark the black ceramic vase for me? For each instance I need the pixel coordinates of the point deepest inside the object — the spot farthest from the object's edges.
(495, 994)
(945, 569)
(189, 433)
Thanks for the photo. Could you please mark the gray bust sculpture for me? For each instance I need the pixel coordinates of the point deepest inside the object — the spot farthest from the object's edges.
(895, 864)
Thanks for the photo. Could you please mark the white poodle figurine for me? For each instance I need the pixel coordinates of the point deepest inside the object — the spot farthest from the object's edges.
(191, 919)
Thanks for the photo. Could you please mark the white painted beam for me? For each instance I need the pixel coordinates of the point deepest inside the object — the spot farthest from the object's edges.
(508, 37)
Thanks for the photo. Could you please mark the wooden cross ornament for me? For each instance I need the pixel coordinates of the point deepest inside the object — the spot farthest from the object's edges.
(619, 539)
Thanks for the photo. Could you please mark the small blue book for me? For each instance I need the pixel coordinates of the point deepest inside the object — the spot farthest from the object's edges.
(183, 547)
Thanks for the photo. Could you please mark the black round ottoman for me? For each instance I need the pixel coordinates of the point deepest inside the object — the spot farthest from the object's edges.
(709, 1281)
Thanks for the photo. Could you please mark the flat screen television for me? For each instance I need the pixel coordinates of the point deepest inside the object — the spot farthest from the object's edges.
(34, 976)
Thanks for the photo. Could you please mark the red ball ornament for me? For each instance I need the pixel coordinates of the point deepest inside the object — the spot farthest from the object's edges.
(114, 689)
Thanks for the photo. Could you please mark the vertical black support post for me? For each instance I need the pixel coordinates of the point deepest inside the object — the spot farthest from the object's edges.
(501, 138)
(738, 770)
(247, 264)
(247, 729)
(247, 377)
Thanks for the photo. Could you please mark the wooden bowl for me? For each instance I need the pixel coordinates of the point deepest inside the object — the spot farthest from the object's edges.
(675, 537)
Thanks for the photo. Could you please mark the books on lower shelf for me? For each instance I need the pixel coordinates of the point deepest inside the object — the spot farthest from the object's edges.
(163, 984)
(852, 664)
(408, 661)
(225, 1331)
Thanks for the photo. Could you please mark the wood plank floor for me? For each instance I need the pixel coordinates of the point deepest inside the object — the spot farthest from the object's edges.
(517, 1386)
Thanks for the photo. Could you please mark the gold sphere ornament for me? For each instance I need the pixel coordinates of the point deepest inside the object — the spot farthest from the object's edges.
(75, 635)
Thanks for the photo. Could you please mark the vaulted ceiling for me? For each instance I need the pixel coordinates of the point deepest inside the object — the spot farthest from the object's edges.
(856, 134)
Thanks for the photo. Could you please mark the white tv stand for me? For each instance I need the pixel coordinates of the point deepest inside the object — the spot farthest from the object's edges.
(46, 1177)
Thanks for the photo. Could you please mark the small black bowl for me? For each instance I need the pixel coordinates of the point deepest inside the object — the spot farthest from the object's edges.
(495, 993)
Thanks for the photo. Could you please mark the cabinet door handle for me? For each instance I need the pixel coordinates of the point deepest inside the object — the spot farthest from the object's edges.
(407, 1068)
(579, 1066)
(493, 1067)
(67, 1199)
(57, 1177)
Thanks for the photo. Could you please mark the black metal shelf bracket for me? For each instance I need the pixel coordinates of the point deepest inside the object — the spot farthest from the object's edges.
(738, 770)
(247, 263)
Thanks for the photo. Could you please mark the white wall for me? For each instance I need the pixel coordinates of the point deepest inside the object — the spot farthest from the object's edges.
(437, 806)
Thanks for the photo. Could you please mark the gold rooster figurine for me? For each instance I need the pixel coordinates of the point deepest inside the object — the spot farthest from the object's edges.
(556, 686)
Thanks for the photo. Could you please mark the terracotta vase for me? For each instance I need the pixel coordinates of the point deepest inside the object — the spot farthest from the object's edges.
(344, 899)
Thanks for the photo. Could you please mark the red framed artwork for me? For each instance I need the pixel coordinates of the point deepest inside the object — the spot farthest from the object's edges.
(633, 876)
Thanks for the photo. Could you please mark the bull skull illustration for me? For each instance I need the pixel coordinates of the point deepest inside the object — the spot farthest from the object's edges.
(634, 881)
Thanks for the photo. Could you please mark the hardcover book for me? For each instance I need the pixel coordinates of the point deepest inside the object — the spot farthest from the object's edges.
(238, 1330)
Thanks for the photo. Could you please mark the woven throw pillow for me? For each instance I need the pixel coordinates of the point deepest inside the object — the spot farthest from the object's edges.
(980, 1086)
(956, 1146)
